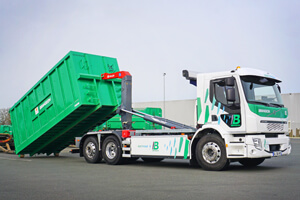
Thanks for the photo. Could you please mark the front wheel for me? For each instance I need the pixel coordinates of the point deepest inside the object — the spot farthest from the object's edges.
(211, 153)
(248, 162)
(90, 150)
(112, 151)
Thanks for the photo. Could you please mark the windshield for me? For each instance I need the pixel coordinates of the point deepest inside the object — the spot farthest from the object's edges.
(260, 90)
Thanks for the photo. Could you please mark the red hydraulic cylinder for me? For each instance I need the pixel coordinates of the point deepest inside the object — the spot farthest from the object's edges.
(120, 74)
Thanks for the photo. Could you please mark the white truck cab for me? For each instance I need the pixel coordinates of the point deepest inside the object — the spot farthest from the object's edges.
(244, 108)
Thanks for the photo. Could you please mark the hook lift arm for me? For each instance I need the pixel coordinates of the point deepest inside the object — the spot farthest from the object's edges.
(126, 111)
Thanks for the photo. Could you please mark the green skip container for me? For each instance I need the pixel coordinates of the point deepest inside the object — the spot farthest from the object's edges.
(67, 102)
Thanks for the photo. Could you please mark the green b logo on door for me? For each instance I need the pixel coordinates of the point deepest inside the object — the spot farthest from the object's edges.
(236, 120)
(155, 146)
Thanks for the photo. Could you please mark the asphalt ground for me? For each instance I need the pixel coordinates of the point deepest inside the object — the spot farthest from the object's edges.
(70, 177)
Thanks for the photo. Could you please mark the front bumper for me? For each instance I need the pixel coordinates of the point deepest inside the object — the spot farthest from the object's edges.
(266, 147)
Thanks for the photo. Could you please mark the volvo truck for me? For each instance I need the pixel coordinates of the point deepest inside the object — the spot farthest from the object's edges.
(240, 118)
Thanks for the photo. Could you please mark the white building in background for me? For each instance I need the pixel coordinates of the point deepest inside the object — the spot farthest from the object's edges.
(183, 111)
(292, 102)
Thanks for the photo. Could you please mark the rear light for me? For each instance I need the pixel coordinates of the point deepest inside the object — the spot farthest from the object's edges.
(128, 133)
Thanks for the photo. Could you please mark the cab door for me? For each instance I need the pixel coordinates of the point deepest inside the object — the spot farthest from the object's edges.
(226, 104)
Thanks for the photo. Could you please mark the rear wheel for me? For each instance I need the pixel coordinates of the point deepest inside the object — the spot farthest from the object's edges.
(211, 153)
(248, 162)
(111, 151)
(90, 150)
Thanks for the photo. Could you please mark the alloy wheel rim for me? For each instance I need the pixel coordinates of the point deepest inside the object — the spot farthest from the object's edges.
(211, 152)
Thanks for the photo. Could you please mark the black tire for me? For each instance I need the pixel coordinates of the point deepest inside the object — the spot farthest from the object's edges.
(194, 162)
(211, 153)
(248, 162)
(152, 159)
(91, 151)
(112, 151)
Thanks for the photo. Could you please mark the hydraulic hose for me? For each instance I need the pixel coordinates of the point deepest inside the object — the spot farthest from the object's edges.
(8, 137)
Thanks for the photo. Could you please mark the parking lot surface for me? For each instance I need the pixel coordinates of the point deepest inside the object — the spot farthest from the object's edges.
(70, 177)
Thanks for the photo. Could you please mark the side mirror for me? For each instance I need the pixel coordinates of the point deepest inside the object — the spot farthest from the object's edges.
(230, 94)
(229, 81)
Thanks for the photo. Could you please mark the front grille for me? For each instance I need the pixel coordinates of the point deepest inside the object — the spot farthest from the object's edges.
(275, 127)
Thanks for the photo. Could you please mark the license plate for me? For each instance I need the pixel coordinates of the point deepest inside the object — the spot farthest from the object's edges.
(277, 153)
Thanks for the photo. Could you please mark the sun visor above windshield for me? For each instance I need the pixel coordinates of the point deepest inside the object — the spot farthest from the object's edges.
(255, 72)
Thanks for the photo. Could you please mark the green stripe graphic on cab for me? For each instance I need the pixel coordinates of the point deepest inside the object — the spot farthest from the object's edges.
(199, 108)
(265, 111)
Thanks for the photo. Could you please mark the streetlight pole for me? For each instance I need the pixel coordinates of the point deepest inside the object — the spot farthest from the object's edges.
(164, 77)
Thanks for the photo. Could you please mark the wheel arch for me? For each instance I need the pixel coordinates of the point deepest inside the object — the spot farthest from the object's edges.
(198, 135)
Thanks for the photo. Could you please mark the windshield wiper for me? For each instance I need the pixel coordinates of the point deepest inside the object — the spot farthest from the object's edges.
(267, 104)
(260, 102)
(277, 105)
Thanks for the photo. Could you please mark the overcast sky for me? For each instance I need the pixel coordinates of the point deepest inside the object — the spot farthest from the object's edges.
(149, 38)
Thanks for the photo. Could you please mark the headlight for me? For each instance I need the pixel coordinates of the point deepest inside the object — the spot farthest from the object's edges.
(257, 143)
